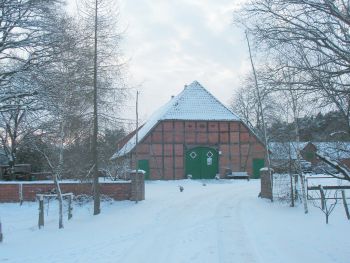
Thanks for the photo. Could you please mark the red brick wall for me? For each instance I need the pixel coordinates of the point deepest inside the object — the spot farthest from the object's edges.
(9, 192)
(165, 146)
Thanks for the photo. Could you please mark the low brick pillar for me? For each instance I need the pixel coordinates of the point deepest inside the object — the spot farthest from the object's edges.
(266, 184)
(137, 185)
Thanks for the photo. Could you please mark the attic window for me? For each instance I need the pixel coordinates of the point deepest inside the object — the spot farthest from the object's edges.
(189, 125)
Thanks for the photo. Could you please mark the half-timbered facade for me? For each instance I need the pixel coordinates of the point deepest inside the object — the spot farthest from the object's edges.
(193, 135)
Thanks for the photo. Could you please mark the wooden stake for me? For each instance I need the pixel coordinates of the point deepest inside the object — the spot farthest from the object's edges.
(20, 194)
(344, 203)
(1, 235)
(323, 198)
(41, 212)
(70, 215)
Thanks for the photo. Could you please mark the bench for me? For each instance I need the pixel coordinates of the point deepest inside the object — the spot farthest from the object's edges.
(238, 175)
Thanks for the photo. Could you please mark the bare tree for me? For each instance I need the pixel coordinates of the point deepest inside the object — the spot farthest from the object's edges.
(25, 38)
(313, 37)
(67, 99)
(245, 105)
(245, 102)
(17, 123)
(100, 17)
(28, 40)
(261, 110)
(343, 171)
(328, 201)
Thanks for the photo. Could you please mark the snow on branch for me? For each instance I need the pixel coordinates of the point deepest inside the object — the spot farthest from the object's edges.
(344, 173)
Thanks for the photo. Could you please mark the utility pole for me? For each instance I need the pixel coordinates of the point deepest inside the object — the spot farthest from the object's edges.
(137, 140)
(262, 115)
(137, 132)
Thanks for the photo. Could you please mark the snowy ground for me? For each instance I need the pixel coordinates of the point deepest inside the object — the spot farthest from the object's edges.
(223, 221)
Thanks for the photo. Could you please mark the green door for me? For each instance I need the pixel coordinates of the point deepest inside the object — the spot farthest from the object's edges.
(144, 165)
(202, 163)
(257, 165)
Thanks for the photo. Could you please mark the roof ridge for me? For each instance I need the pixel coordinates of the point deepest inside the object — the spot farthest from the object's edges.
(217, 100)
(196, 84)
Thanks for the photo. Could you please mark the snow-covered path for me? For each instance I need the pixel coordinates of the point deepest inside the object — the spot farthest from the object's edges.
(223, 221)
(195, 228)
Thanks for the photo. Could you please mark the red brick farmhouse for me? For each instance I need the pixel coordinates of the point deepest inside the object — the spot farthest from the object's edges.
(193, 134)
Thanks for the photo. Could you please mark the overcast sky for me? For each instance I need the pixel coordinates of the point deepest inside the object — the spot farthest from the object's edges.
(170, 43)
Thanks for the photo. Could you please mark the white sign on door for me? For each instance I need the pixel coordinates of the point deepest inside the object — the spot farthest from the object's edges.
(209, 161)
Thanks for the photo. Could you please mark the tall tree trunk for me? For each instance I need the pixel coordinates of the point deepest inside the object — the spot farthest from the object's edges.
(299, 168)
(290, 176)
(56, 176)
(60, 199)
(262, 117)
(97, 209)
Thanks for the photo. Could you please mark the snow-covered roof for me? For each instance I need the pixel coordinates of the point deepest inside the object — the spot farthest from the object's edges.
(196, 103)
(193, 103)
(334, 150)
(282, 150)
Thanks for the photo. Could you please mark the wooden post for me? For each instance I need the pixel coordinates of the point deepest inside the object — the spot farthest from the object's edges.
(20, 194)
(344, 203)
(1, 235)
(41, 211)
(323, 198)
(291, 189)
(70, 215)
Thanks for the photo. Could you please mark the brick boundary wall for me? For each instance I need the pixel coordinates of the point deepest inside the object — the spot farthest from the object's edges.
(128, 190)
(266, 189)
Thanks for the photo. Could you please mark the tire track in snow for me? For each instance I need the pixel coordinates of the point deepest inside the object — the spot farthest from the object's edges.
(208, 229)
(233, 241)
(176, 227)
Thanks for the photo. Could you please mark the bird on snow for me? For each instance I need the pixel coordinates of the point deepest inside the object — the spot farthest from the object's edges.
(181, 188)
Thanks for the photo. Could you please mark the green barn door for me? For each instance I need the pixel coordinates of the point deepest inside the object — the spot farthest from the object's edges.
(193, 163)
(202, 163)
(257, 165)
(144, 165)
(210, 163)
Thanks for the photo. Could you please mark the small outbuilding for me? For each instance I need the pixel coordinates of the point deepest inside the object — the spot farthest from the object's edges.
(337, 151)
(193, 135)
(284, 154)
